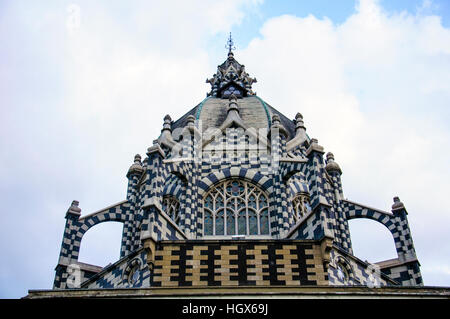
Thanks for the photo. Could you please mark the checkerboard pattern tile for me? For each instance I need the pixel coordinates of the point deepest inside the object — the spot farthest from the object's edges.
(118, 274)
(405, 275)
(250, 263)
(181, 173)
(357, 271)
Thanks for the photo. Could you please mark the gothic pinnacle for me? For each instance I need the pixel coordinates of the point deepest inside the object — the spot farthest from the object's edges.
(190, 120)
(332, 166)
(136, 167)
(397, 204)
(74, 211)
(167, 123)
(276, 124)
(299, 124)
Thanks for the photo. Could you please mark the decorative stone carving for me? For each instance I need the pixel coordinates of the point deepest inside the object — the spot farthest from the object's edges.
(231, 78)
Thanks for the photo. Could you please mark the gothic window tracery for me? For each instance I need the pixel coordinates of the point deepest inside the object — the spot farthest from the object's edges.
(235, 207)
(171, 207)
(301, 206)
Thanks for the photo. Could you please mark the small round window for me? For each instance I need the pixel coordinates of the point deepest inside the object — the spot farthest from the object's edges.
(133, 278)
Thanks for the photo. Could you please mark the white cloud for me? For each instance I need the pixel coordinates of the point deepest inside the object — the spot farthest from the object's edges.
(374, 90)
(78, 103)
(79, 97)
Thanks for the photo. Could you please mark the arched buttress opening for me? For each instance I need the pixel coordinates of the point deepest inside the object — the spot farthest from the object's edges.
(371, 240)
(101, 244)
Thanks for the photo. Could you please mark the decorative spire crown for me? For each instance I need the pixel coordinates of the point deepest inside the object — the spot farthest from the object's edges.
(231, 77)
(230, 45)
(167, 123)
(74, 211)
(332, 166)
(136, 168)
(397, 204)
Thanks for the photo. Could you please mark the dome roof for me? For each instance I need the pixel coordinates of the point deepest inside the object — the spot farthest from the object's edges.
(254, 112)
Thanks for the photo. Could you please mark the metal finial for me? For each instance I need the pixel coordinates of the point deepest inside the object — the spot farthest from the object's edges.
(230, 44)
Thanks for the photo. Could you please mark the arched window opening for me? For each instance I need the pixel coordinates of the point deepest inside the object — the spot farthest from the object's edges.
(235, 207)
(342, 273)
(371, 240)
(171, 207)
(100, 245)
(133, 278)
(301, 206)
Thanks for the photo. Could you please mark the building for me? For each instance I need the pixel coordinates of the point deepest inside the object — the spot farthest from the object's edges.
(235, 198)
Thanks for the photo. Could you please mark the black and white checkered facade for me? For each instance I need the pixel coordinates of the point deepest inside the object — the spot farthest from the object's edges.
(245, 138)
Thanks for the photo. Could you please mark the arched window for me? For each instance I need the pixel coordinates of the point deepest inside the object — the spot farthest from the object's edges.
(171, 207)
(235, 207)
(301, 206)
(342, 273)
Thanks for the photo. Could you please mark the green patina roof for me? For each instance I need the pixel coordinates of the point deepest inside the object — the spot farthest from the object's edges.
(254, 112)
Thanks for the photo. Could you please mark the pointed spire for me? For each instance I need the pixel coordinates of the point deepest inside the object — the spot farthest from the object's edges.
(231, 77)
(299, 124)
(136, 168)
(276, 124)
(166, 138)
(167, 123)
(332, 166)
(230, 46)
(300, 133)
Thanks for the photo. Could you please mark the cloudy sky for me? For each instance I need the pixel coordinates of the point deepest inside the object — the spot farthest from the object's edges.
(84, 86)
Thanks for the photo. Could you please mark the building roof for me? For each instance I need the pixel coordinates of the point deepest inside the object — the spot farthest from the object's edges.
(254, 112)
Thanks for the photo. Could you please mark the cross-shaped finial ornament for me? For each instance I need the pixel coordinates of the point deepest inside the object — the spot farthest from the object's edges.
(230, 44)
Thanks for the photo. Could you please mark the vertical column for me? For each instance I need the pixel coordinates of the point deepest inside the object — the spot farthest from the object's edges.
(342, 231)
(408, 272)
(192, 202)
(315, 175)
(278, 199)
(69, 247)
(129, 227)
(402, 236)
(152, 193)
